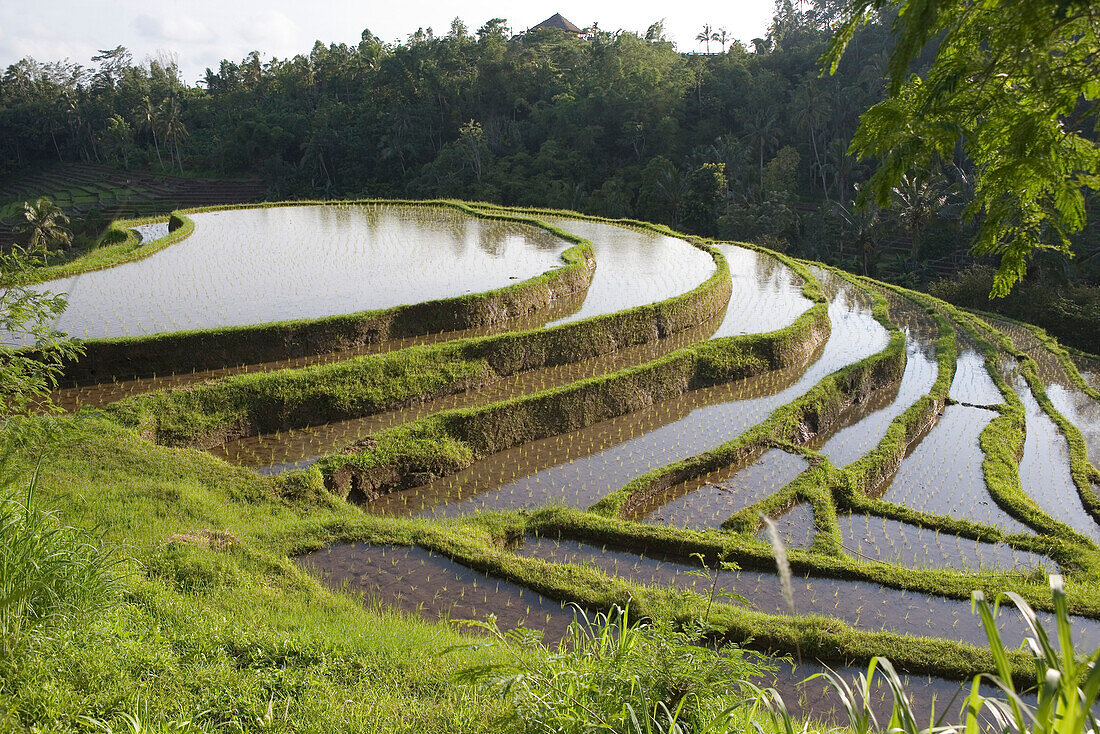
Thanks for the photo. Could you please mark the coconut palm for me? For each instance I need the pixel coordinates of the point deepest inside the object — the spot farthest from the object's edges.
(173, 128)
(45, 225)
(151, 117)
(723, 37)
(707, 35)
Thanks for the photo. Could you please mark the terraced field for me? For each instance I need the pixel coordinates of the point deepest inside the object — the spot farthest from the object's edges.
(598, 407)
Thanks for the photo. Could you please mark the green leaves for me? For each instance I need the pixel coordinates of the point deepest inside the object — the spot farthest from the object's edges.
(1013, 84)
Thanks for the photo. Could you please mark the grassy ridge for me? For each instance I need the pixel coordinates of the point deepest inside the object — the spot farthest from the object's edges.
(446, 442)
(211, 413)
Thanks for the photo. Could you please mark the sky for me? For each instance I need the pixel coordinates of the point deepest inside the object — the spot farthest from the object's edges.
(211, 30)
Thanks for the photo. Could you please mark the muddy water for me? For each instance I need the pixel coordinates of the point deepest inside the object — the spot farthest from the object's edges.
(943, 474)
(1078, 407)
(1044, 467)
(709, 501)
(76, 397)
(634, 266)
(856, 440)
(862, 604)
(579, 468)
(766, 295)
(421, 582)
(273, 453)
(258, 265)
(872, 538)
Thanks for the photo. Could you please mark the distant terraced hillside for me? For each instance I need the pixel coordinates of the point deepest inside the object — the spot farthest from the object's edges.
(79, 188)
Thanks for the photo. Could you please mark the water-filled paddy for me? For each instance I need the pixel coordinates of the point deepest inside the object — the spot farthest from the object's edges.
(943, 474)
(709, 501)
(421, 582)
(273, 453)
(872, 538)
(1044, 468)
(634, 266)
(579, 468)
(251, 266)
(862, 604)
(1079, 408)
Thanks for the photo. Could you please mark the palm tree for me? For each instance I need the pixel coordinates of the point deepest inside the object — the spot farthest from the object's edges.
(916, 201)
(173, 127)
(46, 225)
(707, 35)
(723, 37)
(671, 186)
(151, 118)
(760, 133)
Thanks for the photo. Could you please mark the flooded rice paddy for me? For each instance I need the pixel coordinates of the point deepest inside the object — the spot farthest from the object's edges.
(1044, 468)
(855, 440)
(418, 581)
(364, 257)
(634, 266)
(871, 538)
(943, 473)
(1077, 406)
(579, 468)
(862, 604)
(709, 501)
(304, 262)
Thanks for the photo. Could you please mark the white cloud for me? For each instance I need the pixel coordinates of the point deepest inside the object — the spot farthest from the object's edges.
(271, 29)
(179, 27)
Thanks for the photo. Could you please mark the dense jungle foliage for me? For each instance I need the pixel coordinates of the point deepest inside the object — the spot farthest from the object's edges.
(743, 143)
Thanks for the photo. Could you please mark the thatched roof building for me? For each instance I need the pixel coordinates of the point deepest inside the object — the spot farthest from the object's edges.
(558, 22)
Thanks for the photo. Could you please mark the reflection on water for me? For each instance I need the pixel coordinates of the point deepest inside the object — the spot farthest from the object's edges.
(1074, 404)
(972, 383)
(272, 453)
(578, 468)
(634, 266)
(1044, 468)
(251, 266)
(766, 295)
(943, 475)
(854, 441)
(708, 501)
(878, 539)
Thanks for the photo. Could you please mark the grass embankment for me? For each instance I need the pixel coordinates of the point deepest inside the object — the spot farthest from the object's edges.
(446, 442)
(216, 625)
(211, 413)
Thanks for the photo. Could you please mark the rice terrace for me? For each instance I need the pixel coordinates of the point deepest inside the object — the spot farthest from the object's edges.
(457, 459)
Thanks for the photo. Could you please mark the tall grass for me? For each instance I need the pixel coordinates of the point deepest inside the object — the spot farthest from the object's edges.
(614, 674)
(49, 571)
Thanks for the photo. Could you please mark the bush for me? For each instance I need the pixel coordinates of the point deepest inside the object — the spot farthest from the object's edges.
(1069, 313)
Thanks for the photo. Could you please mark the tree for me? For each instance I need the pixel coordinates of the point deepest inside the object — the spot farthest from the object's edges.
(706, 36)
(26, 317)
(46, 225)
(1017, 85)
(151, 118)
(171, 120)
